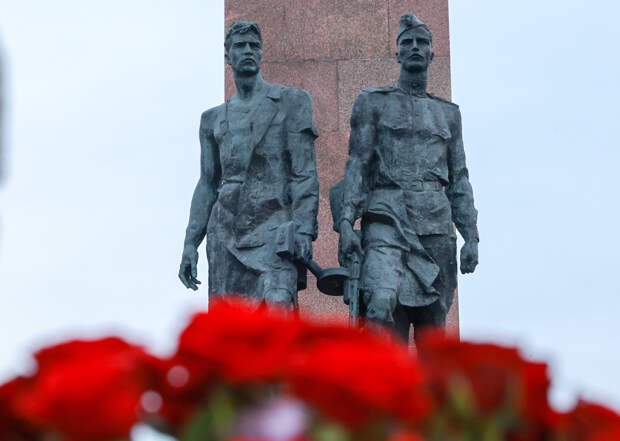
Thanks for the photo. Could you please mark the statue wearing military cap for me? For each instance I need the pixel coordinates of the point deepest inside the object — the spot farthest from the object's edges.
(410, 21)
(407, 180)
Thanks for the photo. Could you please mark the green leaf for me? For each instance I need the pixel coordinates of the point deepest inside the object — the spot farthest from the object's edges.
(213, 422)
(330, 432)
(199, 427)
(461, 399)
(492, 430)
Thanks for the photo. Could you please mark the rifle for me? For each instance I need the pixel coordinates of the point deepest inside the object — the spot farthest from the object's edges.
(351, 284)
(351, 291)
(339, 281)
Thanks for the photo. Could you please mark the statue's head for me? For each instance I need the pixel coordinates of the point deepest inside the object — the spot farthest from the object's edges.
(415, 44)
(243, 46)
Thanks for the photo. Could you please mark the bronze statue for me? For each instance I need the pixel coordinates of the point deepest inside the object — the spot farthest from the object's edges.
(258, 182)
(407, 180)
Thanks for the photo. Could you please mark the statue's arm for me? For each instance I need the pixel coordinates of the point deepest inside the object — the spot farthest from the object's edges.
(461, 196)
(459, 190)
(206, 189)
(202, 202)
(357, 171)
(303, 184)
(356, 178)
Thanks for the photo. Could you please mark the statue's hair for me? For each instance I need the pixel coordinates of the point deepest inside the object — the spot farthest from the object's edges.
(410, 21)
(241, 27)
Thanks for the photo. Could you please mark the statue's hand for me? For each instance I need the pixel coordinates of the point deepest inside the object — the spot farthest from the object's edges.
(469, 257)
(303, 247)
(188, 270)
(350, 243)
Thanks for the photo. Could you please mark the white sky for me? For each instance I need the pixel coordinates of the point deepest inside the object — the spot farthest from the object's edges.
(102, 158)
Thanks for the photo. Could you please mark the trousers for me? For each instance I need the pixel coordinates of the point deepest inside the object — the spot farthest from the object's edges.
(386, 280)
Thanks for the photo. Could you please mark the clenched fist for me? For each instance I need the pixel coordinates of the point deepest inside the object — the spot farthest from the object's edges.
(469, 257)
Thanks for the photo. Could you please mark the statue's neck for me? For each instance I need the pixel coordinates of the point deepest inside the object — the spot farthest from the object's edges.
(249, 85)
(413, 83)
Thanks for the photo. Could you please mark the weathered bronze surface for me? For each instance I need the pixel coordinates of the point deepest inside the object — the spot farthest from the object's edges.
(407, 180)
(258, 175)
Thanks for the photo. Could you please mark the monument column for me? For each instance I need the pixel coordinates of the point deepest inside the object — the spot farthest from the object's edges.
(334, 49)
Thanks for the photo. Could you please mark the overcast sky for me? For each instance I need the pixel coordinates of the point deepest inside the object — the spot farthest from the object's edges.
(101, 159)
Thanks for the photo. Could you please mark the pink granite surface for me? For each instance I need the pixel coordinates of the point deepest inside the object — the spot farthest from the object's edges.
(334, 49)
(336, 29)
(452, 321)
(320, 78)
(332, 153)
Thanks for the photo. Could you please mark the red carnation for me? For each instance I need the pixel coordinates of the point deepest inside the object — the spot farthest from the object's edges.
(359, 378)
(86, 390)
(494, 374)
(406, 436)
(183, 385)
(350, 374)
(588, 420)
(239, 342)
(608, 435)
(497, 379)
(12, 427)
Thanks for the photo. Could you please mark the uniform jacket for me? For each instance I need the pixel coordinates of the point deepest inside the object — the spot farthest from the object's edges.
(398, 139)
(404, 151)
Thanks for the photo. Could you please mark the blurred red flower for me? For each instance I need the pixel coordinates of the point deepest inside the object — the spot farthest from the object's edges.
(608, 435)
(493, 373)
(496, 379)
(183, 385)
(406, 436)
(357, 376)
(86, 390)
(589, 421)
(96, 390)
(12, 427)
(350, 374)
(239, 341)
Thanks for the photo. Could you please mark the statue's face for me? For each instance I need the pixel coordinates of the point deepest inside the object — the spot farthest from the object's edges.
(245, 54)
(415, 51)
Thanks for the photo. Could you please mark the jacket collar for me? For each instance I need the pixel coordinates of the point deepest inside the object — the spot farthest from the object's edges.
(275, 91)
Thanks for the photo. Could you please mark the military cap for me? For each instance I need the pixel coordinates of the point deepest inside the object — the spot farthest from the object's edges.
(409, 21)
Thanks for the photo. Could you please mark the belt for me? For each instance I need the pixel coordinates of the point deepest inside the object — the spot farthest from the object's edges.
(233, 180)
(422, 186)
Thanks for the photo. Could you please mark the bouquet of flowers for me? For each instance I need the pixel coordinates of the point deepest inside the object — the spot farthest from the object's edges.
(245, 372)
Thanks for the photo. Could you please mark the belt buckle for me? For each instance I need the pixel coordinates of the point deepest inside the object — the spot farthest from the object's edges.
(428, 186)
(417, 186)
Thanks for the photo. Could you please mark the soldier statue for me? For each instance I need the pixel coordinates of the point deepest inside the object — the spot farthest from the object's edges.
(257, 176)
(407, 180)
